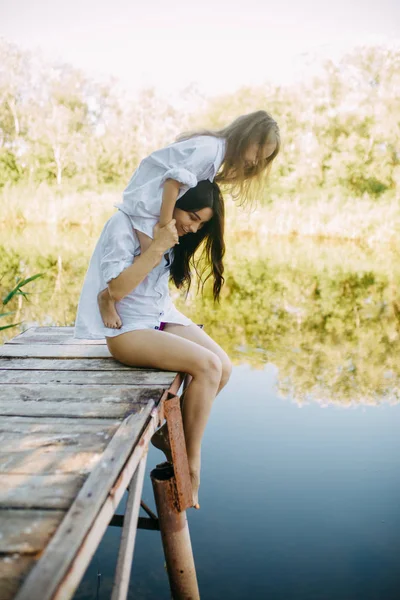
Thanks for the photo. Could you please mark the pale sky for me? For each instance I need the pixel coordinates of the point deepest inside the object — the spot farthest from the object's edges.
(218, 44)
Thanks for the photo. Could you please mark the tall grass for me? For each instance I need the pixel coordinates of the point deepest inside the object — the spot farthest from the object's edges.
(318, 214)
(326, 216)
(33, 205)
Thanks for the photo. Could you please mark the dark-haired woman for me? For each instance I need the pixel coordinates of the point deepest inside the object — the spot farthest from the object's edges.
(153, 332)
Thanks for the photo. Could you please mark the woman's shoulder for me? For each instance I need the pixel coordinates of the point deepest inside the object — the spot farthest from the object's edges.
(201, 142)
(119, 218)
(209, 143)
(117, 224)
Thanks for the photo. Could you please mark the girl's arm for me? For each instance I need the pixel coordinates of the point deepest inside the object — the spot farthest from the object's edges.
(133, 275)
(169, 198)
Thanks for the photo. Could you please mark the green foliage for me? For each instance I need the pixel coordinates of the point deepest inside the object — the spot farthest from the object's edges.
(331, 325)
(14, 293)
(10, 171)
(338, 130)
(18, 291)
(327, 315)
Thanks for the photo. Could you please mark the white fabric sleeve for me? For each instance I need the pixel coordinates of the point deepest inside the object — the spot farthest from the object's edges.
(188, 161)
(119, 246)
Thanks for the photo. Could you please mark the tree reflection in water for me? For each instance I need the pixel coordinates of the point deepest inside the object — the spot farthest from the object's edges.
(327, 314)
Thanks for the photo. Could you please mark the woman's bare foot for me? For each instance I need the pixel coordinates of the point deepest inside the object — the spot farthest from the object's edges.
(108, 311)
(161, 442)
(195, 478)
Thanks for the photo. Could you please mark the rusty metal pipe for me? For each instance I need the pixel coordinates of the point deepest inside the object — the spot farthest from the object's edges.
(175, 536)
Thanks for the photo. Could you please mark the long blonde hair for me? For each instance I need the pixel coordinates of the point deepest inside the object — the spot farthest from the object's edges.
(244, 182)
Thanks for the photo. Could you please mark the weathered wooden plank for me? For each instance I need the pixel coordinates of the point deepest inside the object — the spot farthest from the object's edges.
(81, 559)
(128, 536)
(56, 351)
(62, 460)
(27, 531)
(142, 378)
(49, 339)
(24, 425)
(51, 335)
(109, 402)
(13, 570)
(69, 364)
(79, 393)
(45, 578)
(93, 442)
(52, 330)
(77, 410)
(51, 491)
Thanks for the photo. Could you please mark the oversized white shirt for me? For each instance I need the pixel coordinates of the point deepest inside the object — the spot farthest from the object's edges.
(149, 304)
(146, 306)
(189, 161)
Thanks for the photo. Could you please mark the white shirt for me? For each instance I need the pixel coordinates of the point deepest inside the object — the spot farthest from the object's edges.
(189, 161)
(149, 304)
(145, 307)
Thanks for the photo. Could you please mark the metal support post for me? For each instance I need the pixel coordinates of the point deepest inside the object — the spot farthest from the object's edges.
(175, 536)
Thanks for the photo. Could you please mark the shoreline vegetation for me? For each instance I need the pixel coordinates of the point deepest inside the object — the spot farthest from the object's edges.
(324, 216)
(326, 313)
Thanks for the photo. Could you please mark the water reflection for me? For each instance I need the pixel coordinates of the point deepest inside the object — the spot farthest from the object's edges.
(297, 503)
(327, 315)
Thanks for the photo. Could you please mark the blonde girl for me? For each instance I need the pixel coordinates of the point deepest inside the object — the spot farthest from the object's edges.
(238, 157)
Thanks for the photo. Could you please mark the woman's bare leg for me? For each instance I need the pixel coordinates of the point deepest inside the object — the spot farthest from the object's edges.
(194, 333)
(163, 350)
(199, 336)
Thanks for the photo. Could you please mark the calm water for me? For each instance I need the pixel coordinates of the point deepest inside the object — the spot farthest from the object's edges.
(300, 487)
(298, 503)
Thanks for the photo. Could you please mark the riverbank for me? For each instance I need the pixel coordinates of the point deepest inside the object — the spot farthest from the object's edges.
(325, 312)
(319, 214)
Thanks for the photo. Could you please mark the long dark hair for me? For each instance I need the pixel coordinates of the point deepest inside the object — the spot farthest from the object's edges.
(204, 195)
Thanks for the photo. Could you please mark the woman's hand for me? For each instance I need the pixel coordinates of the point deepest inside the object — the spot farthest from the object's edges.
(165, 237)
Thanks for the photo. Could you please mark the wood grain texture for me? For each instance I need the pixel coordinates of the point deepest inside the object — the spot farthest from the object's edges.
(44, 579)
(13, 570)
(77, 393)
(81, 559)
(40, 491)
(56, 351)
(24, 425)
(52, 335)
(69, 364)
(74, 423)
(62, 460)
(27, 531)
(119, 378)
(73, 410)
(55, 340)
(53, 329)
(128, 535)
(110, 402)
(75, 441)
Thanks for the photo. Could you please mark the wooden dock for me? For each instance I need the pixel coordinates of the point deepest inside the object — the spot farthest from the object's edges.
(74, 429)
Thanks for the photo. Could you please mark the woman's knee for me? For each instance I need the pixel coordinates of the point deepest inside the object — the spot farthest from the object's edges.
(209, 366)
(226, 371)
(218, 367)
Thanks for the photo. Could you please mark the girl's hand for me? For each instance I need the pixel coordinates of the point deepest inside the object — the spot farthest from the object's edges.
(165, 237)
